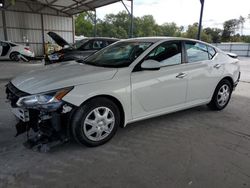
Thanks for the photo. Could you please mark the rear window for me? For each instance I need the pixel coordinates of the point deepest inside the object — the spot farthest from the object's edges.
(211, 52)
(196, 52)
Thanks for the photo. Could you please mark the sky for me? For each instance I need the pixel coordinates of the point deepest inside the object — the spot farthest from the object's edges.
(186, 12)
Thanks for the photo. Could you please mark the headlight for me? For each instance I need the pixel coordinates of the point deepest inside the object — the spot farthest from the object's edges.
(49, 100)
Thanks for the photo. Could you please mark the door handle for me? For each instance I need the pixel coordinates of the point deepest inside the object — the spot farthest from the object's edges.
(217, 66)
(181, 75)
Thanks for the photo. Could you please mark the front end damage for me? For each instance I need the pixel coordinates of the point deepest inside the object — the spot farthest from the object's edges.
(43, 117)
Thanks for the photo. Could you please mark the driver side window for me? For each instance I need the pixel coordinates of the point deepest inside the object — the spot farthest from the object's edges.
(167, 53)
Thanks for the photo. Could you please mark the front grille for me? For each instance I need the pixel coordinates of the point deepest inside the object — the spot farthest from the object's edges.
(13, 94)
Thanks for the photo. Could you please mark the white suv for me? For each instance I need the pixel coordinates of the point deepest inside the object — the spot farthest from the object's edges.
(130, 80)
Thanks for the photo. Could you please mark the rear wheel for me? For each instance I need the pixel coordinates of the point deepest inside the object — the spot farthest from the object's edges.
(96, 122)
(221, 96)
(14, 56)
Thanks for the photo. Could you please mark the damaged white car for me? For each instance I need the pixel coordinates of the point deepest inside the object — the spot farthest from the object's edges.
(15, 52)
(128, 81)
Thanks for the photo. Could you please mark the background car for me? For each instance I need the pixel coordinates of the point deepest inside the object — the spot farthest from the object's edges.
(128, 81)
(15, 52)
(79, 50)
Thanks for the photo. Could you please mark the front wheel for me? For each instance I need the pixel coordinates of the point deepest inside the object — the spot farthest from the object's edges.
(95, 122)
(221, 96)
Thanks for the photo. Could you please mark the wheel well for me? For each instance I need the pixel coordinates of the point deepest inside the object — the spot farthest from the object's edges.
(14, 52)
(230, 80)
(116, 101)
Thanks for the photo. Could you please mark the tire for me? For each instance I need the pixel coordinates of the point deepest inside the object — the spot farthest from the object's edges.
(95, 122)
(221, 96)
(14, 56)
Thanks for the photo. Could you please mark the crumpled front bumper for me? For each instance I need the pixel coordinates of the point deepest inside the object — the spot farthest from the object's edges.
(47, 127)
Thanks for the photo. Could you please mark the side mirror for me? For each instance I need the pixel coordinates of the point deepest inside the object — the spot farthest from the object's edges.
(150, 65)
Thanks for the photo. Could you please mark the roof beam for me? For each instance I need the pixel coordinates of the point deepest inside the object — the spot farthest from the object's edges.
(38, 10)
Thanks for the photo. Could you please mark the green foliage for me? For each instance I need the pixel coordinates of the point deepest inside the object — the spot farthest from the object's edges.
(214, 33)
(84, 24)
(246, 38)
(118, 25)
(230, 28)
(192, 32)
(170, 29)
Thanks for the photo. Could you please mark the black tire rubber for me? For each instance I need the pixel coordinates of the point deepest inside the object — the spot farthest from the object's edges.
(83, 111)
(14, 56)
(213, 105)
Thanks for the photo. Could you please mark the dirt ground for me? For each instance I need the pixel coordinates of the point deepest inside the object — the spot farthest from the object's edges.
(192, 148)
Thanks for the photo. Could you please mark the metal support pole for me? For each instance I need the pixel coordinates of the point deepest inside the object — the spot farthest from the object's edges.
(131, 28)
(4, 26)
(248, 51)
(95, 21)
(73, 28)
(200, 22)
(132, 20)
(43, 39)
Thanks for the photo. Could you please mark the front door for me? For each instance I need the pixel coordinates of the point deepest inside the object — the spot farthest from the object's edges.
(157, 90)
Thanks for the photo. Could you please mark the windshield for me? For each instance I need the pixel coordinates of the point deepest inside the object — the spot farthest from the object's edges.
(120, 54)
(79, 43)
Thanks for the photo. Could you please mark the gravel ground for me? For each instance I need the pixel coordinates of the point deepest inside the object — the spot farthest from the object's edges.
(192, 148)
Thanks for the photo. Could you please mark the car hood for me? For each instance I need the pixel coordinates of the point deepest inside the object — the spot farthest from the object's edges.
(58, 39)
(61, 75)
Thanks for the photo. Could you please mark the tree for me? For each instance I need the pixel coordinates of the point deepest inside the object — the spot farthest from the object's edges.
(170, 29)
(192, 33)
(118, 25)
(241, 23)
(84, 24)
(214, 33)
(145, 26)
(230, 27)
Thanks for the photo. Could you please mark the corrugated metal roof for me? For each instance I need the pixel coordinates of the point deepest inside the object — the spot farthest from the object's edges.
(68, 7)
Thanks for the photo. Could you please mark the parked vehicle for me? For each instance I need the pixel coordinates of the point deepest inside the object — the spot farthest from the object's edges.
(79, 50)
(128, 81)
(15, 52)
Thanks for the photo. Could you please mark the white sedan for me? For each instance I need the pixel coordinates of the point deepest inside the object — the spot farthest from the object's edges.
(130, 80)
(14, 52)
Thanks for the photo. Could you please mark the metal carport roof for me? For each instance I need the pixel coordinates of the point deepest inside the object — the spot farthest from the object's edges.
(67, 7)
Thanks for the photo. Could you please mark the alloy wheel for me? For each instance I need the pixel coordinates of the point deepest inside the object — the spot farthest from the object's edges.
(223, 95)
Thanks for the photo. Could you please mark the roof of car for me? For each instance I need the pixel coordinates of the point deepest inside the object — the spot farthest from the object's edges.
(101, 38)
(157, 39)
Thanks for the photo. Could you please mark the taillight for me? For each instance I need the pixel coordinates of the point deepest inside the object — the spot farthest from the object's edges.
(26, 48)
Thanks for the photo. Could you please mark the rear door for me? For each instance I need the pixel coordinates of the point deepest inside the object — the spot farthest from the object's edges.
(202, 72)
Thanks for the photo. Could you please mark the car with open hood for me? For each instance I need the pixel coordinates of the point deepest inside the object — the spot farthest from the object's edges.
(128, 81)
(79, 50)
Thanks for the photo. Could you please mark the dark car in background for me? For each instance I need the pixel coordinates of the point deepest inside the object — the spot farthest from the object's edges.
(79, 50)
